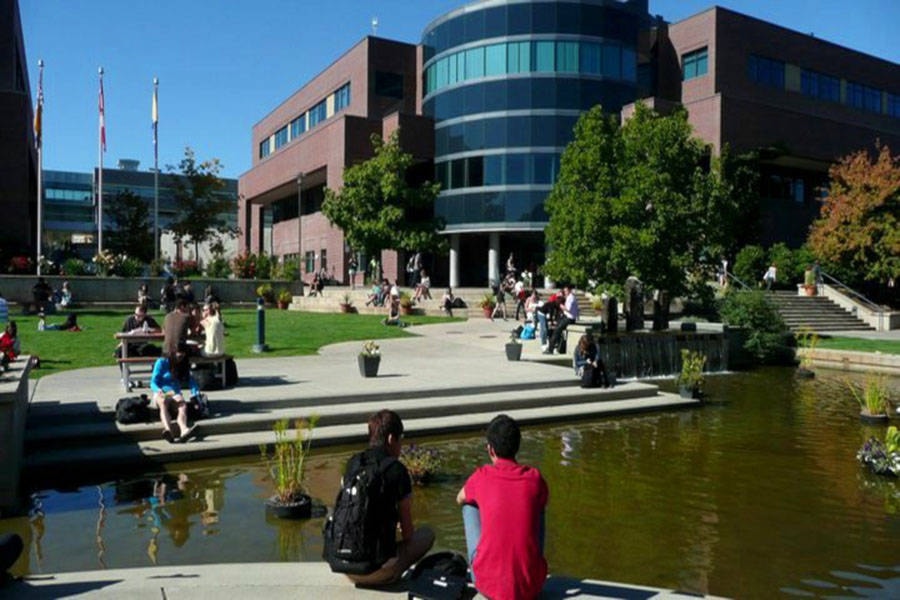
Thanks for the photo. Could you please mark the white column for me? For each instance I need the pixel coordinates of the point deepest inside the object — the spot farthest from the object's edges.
(454, 260)
(494, 257)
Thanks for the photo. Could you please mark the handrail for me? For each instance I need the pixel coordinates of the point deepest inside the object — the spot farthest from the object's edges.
(736, 278)
(863, 300)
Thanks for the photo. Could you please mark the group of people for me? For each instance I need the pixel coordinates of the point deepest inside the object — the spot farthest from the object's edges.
(503, 504)
(46, 299)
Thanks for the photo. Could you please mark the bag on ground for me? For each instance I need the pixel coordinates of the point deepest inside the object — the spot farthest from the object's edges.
(527, 332)
(134, 409)
(198, 407)
(351, 532)
(231, 373)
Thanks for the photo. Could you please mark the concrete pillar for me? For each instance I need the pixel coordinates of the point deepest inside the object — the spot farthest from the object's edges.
(13, 409)
(494, 257)
(454, 260)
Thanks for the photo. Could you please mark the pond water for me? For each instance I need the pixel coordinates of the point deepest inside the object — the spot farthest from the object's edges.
(754, 495)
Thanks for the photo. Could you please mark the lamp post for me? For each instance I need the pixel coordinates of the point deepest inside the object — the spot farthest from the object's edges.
(260, 345)
(300, 229)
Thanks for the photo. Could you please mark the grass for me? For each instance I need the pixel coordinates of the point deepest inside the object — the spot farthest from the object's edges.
(860, 345)
(288, 333)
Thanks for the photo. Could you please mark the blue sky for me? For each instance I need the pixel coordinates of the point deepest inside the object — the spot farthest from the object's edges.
(224, 64)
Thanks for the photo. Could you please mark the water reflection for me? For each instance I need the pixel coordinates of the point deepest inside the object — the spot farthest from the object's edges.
(755, 495)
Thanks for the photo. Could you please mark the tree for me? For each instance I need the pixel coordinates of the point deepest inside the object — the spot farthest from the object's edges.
(201, 210)
(378, 208)
(131, 231)
(641, 199)
(858, 227)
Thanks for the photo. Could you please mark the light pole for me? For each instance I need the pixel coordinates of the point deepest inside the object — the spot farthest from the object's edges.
(300, 228)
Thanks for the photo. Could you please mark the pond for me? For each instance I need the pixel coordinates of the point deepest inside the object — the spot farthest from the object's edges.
(756, 494)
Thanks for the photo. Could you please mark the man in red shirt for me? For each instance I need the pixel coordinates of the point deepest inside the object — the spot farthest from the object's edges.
(503, 515)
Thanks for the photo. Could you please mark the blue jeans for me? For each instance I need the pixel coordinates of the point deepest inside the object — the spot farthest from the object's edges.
(472, 526)
(542, 319)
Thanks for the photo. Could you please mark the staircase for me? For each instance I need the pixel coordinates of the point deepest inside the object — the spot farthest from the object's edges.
(816, 313)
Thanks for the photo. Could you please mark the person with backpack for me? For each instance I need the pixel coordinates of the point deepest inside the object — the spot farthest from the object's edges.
(375, 496)
(503, 517)
(169, 371)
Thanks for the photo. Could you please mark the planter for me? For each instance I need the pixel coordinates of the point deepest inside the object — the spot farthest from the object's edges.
(283, 305)
(810, 290)
(866, 417)
(513, 351)
(301, 508)
(488, 311)
(368, 365)
(345, 308)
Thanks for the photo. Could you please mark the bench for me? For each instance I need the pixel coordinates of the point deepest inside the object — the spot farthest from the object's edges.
(218, 363)
(126, 365)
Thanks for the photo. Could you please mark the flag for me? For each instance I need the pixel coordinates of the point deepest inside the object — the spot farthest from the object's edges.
(39, 111)
(154, 116)
(102, 119)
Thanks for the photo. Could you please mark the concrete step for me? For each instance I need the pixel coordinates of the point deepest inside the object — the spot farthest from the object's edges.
(211, 443)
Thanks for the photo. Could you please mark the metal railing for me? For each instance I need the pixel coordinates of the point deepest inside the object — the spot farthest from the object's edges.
(857, 296)
(734, 277)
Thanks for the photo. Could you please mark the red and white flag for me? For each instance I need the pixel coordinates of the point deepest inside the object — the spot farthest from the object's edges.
(39, 110)
(102, 119)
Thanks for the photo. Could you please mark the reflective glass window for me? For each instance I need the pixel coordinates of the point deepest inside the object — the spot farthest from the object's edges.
(474, 135)
(458, 173)
(342, 95)
(543, 94)
(545, 168)
(893, 105)
(281, 137)
(493, 170)
(473, 23)
(496, 95)
(475, 171)
(612, 60)
(694, 64)
(495, 60)
(589, 58)
(442, 73)
(518, 131)
(495, 133)
(430, 79)
(629, 64)
(264, 148)
(766, 71)
(495, 22)
(454, 75)
(543, 17)
(473, 99)
(442, 175)
(518, 19)
(474, 63)
(567, 57)
(298, 126)
(518, 169)
(544, 56)
(455, 138)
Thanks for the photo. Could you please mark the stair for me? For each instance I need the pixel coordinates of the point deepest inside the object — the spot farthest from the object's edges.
(816, 313)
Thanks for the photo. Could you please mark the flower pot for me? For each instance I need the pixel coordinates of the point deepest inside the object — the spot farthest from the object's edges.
(345, 307)
(283, 305)
(810, 290)
(513, 351)
(488, 311)
(299, 508)
(867, 417)
(368, 365)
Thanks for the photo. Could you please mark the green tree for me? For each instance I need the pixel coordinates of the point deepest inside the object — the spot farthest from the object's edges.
(641, 199)
(378, 208)
(201, 207)
(858, 229)
(130, 230)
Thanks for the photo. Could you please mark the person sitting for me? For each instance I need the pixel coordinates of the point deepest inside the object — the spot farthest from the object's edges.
(63, 297)
(10, 346)
(315, 286)
(588, 364)
(423, 288)
(41, 293)
(165, 383)
(187, 292)
(168, 295)
(569, 315)
(143, 295)
(447, 302)
(532, 303)
(503, 506)
(394, 505)
(393, 316)
(213, 330)
(139, 322)
(374, 297)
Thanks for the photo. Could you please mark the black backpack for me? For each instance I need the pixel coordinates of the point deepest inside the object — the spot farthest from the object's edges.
(134, 409)
(353, 530)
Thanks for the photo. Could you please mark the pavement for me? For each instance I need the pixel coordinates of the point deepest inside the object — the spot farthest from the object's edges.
(447, 377)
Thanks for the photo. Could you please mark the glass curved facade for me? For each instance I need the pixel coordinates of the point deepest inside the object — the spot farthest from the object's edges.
(505, 83)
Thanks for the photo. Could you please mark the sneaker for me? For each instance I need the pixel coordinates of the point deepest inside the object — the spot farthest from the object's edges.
(545, 347)
(167, 435)
(189, 432)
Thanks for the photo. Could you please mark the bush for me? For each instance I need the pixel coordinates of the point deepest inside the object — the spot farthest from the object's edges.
(767, 333)
(130, 267)
(218, 268)
(264, 265)
(73, 267)
(244, 265)
(750, 264)
(288, 270)
(185, 268)
(21, 265)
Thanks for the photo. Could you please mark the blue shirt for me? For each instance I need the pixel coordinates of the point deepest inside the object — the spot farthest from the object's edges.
(163, 380)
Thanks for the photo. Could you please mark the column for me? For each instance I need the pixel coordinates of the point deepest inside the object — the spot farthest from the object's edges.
(454, 260)
(494, 257)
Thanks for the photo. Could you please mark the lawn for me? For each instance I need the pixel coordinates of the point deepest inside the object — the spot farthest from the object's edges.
(288, 333)
(860, 345)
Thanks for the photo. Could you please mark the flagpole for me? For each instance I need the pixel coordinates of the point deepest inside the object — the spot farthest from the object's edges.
(155, 117)
(38, 130)
(101, 143)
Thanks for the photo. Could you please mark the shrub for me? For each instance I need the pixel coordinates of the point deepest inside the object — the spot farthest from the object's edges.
(244, 266)
(264, 264)
(767, 333)
(185, 268)
(130, 267)
(750, 264)
(74, 267)
(21, 264)
(266, 292)
(157, 267)
(218, 268)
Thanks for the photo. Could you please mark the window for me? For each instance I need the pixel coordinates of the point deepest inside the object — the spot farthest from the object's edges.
(264, 149)
(589, 58)
(864, 97)
(474, 63)
(567, 57)
(543, 56)
(612, 60)
(317, 114)
(518, 57)
(309, 261)
(298, 126)
(495, 60)
(766, 71)
(342, 97)
(893, 105)
(323, 259)
(281, 137)
(820, 86)
(694, 64)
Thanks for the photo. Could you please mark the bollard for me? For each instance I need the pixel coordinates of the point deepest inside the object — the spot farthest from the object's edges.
(260, 345)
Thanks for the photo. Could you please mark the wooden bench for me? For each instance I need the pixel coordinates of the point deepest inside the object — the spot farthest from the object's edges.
(126, 365)
(218, 363)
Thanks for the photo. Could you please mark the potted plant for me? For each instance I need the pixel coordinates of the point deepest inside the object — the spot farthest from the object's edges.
(369, 359)
(286, 468)
(265, 291)
(346, 303)
(690, 380)
(285, 297)
(487, 304)
(882, 457)
(873, 400)
(513, 347)
(406, 303)
(422, 463)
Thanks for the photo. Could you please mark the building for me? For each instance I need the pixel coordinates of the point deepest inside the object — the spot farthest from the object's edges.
(70, 209)
(18, 165)
(306, 142)
(496, 86)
